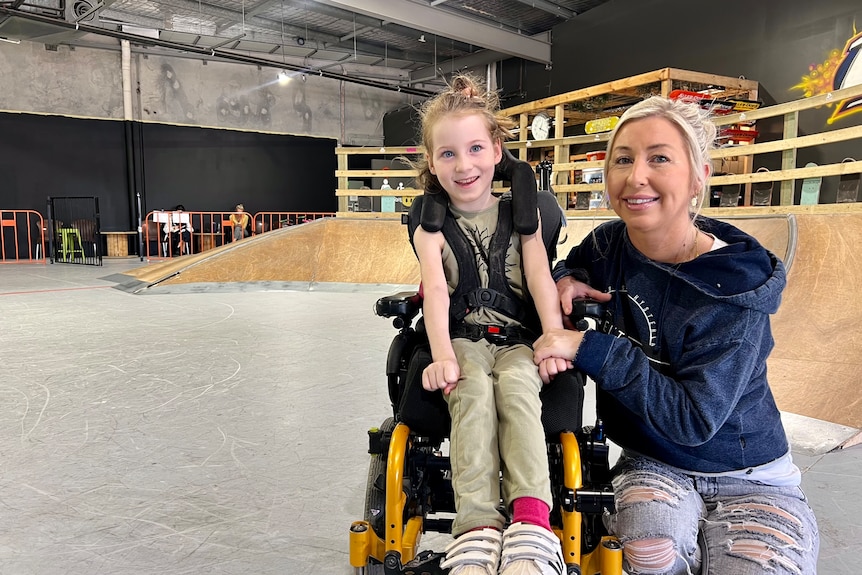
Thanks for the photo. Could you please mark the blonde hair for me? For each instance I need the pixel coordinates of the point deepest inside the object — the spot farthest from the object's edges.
(697, 130)
(464, 95)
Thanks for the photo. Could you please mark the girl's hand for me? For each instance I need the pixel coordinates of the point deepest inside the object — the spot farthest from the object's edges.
(555, 344)
(550, 367)
(443, 374)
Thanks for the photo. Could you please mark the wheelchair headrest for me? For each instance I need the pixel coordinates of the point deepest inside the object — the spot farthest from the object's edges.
(524, 200)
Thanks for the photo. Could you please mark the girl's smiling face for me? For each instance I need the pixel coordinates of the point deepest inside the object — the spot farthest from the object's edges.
(463, 157)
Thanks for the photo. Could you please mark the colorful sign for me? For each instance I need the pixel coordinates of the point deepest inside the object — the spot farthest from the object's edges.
(842, 69)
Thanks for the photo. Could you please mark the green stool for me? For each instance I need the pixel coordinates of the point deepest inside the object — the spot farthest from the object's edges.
(70, 243)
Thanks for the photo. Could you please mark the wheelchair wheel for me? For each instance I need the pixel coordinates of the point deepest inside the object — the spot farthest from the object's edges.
(375, 487)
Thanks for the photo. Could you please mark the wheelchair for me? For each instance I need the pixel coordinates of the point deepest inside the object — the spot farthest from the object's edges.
(409, 491)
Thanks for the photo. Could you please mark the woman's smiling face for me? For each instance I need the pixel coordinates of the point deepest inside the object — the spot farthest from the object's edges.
(649, 177)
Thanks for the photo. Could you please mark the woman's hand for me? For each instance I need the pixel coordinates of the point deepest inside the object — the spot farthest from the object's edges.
(443, 374)
(555, 344)
(569, 288)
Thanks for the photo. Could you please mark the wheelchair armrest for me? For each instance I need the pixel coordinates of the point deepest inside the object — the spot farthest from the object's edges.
(405, 305)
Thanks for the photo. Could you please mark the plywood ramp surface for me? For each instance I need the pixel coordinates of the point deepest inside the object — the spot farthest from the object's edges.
(815, 367)
(325, 250)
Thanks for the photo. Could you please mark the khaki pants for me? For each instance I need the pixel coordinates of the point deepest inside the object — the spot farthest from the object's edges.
(496, 426)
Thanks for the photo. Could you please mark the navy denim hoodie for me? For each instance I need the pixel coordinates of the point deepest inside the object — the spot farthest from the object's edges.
(683, 377)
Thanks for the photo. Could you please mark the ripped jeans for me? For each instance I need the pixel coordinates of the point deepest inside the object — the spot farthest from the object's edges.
(671, 523)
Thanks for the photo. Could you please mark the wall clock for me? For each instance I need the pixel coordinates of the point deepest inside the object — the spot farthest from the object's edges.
(541, 126)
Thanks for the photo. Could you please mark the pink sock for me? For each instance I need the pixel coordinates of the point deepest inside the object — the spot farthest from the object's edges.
(531, 510)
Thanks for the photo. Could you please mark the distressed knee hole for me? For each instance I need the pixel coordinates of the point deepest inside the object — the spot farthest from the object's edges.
(650, 555)
(765, 508)
(762, 554)
(642, 494)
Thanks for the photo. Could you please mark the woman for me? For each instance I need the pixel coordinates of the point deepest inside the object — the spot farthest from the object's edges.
(239, 222)
(706, 482)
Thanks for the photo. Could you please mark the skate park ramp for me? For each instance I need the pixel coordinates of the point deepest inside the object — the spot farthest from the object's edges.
(814, 369)
(309, 256)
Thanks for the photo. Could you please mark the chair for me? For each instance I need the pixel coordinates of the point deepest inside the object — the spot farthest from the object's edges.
(87, 232)
(70, 246)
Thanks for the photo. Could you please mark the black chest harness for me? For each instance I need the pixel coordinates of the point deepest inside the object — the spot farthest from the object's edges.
(518, 212)
(469, 295)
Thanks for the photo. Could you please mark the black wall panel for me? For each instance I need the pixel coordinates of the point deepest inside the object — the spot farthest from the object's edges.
(213, 170)
(204, 169)
(42, 156)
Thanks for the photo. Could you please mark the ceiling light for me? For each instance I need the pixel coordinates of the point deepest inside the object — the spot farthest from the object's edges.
(283, 77)
(10, 41)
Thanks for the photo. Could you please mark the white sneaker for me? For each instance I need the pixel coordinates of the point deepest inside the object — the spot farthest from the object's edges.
(474, 553)
(531, 550)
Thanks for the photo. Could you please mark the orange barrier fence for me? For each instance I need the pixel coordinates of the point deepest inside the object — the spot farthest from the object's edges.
(266, 221)
(167, 234)
(22, 237)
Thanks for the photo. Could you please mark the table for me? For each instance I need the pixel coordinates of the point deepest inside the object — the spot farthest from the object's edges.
(118, 243)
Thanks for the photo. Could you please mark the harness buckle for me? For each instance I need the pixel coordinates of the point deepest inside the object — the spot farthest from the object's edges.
(496, 335)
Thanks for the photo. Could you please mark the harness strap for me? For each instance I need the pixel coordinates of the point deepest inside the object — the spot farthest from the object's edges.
(484, 297)
(469, 295)
(496, 334)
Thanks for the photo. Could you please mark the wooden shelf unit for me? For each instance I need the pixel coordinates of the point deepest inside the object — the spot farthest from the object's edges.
(572, 110)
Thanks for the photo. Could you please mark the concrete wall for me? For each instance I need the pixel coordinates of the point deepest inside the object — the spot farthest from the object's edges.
(87, 82)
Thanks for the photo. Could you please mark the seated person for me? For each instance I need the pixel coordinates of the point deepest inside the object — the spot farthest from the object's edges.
(239, 223)
(178, 234)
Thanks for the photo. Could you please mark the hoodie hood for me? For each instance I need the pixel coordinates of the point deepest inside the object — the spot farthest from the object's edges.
(743, 273)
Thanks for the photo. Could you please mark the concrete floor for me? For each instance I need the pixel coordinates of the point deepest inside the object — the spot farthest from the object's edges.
(218, 432)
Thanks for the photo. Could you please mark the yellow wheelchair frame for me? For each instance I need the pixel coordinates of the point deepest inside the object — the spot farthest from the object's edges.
(369, 554)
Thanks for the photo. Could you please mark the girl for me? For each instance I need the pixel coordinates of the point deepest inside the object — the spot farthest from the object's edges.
(481, 357)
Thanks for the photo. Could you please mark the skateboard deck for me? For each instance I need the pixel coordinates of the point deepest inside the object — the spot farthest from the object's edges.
(719, 106)
(810, 189)
(848, 186)
(601, 125)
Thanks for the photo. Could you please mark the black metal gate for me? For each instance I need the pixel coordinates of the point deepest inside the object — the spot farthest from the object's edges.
(75, 231)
